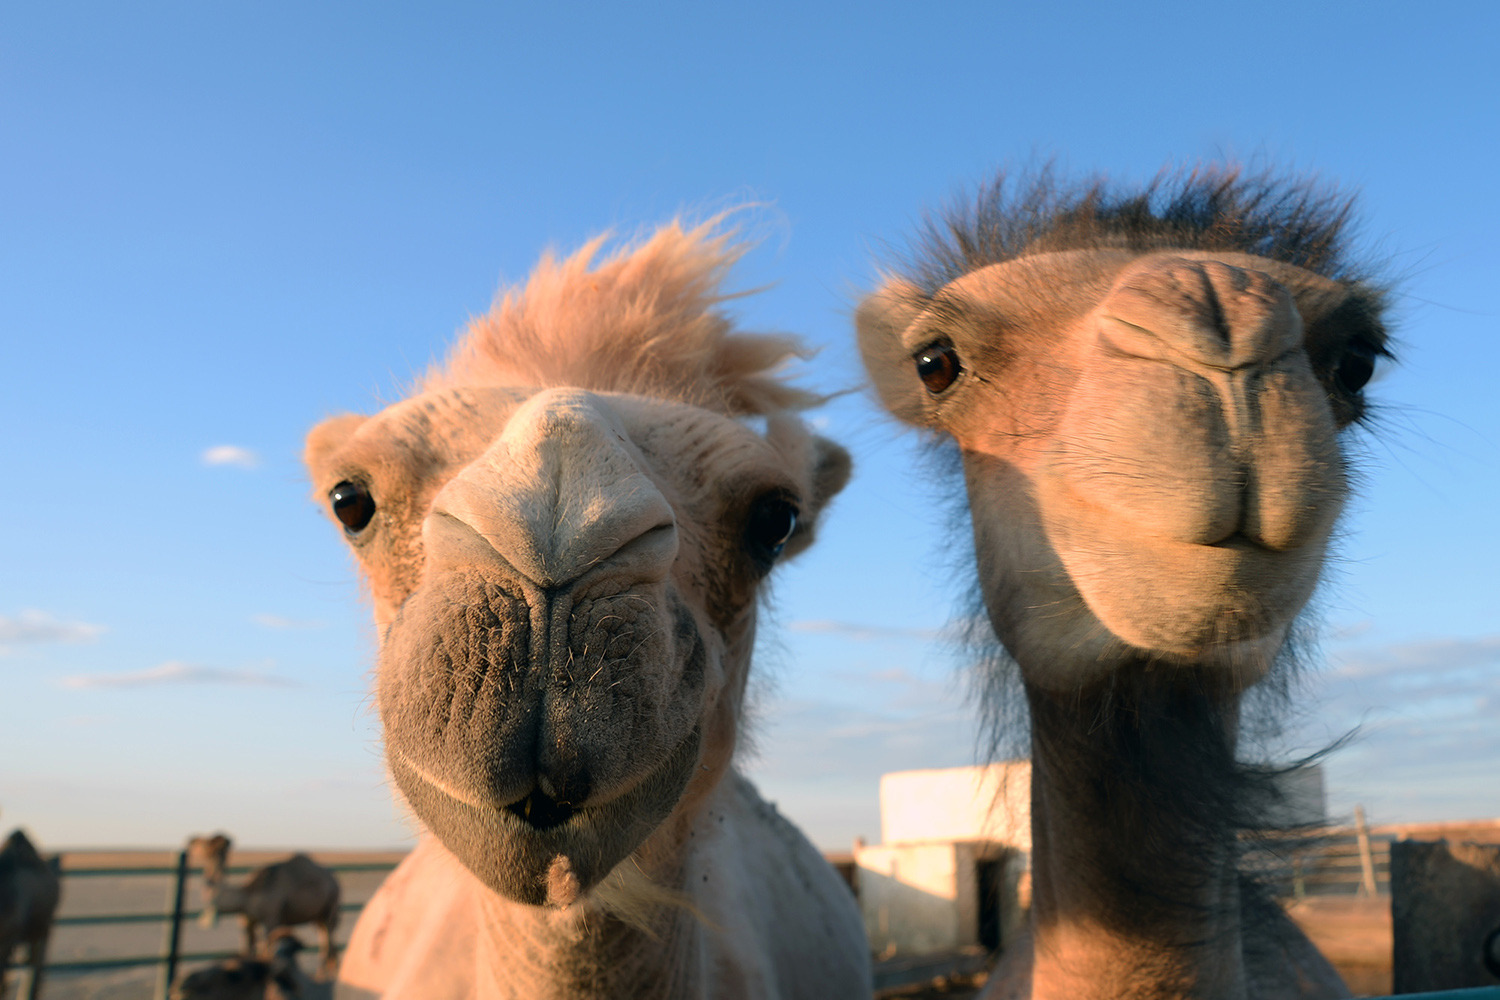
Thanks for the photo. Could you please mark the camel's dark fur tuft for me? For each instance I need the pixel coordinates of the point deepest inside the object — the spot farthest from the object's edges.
(1214, 207)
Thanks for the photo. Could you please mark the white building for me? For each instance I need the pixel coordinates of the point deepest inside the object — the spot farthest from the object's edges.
(951, 868)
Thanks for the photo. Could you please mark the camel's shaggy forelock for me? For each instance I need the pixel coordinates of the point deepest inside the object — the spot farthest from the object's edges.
(1217, 207)
(646, 320)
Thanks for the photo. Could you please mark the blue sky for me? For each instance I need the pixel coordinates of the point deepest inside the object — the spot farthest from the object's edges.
(220, 224)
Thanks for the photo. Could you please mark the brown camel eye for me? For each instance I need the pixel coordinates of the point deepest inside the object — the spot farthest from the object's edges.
(1355, 370)
(352, 505)
(773, 520)
(938, 367)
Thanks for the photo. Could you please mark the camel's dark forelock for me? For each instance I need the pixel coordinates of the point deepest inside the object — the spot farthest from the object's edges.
(1215, 207)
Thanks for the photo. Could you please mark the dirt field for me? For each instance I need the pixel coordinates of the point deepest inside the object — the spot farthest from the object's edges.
(1353, 932)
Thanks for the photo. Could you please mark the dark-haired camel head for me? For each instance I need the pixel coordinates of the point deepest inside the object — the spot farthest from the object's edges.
(1149, 440)
(564, 536)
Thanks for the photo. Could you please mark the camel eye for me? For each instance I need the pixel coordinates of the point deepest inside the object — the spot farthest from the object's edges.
(938, 366)
(773, 520)
(1356, 368)
(352, 505)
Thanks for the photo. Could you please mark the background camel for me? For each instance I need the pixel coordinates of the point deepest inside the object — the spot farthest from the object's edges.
(29, 891)
(285, 894)
(1148, 391)
(245, 978)
(565, 531)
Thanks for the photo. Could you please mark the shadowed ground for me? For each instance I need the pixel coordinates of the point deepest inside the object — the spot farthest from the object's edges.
(1352, 932)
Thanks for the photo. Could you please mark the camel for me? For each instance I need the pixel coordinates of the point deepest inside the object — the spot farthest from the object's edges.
(30, 888)
(285, 894)
(244, 978)
(1147, 390)
(238, 978)
(564, 531)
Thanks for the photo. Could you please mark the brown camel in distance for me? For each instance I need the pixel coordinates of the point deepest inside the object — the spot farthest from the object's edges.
(1148, 390)
(30, 888)
(285, 894)
(565, 531)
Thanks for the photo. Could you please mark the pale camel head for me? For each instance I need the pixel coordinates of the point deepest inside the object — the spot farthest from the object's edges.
(1148, 392)
(212, 853)
(564, 532)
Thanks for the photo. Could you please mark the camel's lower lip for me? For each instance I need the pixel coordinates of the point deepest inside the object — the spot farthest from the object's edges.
(512, 848)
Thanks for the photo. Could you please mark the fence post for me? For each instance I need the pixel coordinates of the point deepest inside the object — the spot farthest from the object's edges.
(167, 971)
(1366, 860)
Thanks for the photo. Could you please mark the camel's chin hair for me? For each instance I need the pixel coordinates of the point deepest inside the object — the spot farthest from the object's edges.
(630, 896)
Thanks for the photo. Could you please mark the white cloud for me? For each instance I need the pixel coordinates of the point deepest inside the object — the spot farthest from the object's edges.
(1429, 658)
(280, 623)
(38, 626)
(230, 454)
(176, 672)
(1423, 718)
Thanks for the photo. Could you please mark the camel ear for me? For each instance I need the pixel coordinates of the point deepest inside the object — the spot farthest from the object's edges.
(881, 319)
(831, 469)
(327, 438)
(828, 466)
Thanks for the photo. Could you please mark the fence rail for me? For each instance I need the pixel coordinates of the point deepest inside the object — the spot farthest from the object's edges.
(173, 916)
(1336, 861)
(1345, 861)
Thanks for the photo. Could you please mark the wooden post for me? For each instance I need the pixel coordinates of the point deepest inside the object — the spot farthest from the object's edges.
(1366, 860)
(172, 937)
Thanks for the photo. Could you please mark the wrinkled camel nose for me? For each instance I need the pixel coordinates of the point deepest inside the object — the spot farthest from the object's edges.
(557, 496)
(1201, 420)
(1202, 312)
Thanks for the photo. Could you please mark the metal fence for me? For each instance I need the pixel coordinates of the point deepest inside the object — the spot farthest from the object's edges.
(172, 917)
(1476, 993)
(1344, 862)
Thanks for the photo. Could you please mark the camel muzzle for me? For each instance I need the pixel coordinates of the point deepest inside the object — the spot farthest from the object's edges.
(540, 811)
(542, 852)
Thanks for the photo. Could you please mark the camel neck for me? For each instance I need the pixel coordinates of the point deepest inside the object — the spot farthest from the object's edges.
(1135, 891)
(587, 953)
(226, 898)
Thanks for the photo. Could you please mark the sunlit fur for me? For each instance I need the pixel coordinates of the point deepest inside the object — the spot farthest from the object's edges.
(644, 320)
(1149, 421)
(564, 563)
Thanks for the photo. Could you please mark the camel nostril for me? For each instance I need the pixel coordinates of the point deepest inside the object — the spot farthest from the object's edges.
(540, 811)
